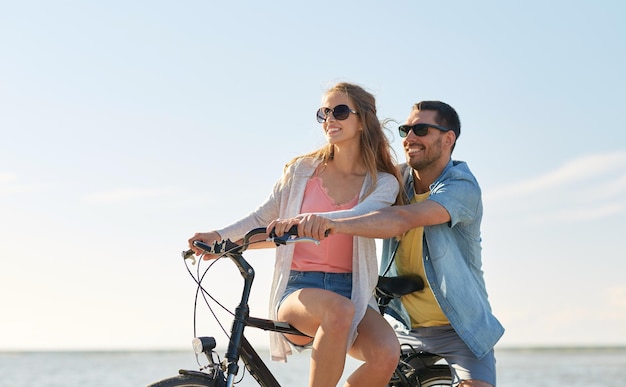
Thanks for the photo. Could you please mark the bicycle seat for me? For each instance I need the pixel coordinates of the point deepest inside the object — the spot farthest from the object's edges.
(399, 286)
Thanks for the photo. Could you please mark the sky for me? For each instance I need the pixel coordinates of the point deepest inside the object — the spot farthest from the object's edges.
(126, 127)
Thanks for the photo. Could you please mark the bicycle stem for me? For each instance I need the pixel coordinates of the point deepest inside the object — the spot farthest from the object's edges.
(241, 314)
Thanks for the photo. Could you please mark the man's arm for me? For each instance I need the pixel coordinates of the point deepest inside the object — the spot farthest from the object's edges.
(384, 223)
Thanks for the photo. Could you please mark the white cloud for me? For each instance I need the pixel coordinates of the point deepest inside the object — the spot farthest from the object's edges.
(579, 214)
(612, 188)
(588, 188)
(581, 169)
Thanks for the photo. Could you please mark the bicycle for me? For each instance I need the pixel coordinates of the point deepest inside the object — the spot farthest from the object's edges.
(414, 369)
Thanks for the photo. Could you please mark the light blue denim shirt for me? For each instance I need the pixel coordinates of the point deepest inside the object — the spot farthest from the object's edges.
(452, 258)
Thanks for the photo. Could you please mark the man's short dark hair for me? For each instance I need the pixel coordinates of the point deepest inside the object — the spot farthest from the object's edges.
(446, 115)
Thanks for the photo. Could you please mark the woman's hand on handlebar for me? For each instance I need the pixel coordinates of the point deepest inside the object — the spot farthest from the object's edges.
(309, 225)
(206, 237)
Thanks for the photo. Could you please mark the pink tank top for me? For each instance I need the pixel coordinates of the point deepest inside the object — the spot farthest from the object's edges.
(334, 253)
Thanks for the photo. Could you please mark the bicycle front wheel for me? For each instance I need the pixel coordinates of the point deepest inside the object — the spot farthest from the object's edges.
(190, 379)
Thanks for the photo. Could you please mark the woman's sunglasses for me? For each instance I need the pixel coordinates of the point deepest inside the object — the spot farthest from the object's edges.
(418, 129)
(340, 112)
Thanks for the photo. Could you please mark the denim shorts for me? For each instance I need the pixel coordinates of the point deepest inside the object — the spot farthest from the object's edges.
(340, 283)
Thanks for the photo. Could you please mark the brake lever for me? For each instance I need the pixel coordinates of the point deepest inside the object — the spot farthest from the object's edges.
(189, 254)
(288, 239)
(215, 248)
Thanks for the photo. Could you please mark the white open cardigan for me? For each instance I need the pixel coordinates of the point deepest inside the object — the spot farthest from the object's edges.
(285, 202)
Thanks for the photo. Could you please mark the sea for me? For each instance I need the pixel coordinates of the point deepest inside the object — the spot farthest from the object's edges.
(516, 367)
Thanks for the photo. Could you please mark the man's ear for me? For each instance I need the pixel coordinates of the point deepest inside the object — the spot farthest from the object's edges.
(450, 138)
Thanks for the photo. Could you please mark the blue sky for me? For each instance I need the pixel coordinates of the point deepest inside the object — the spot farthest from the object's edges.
(128, 126)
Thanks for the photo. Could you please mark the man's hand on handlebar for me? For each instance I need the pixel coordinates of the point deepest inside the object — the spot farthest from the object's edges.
(309, 225)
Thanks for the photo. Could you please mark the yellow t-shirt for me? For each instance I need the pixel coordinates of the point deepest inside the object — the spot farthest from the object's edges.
(422, 306)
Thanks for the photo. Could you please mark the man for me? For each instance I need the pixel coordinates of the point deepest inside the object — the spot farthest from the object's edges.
(440, 241)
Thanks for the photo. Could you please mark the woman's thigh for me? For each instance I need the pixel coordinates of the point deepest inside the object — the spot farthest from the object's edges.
(307, 309)
(312, 298)
(375, 335)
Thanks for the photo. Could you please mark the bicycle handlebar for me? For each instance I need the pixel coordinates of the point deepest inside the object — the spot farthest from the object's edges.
(228, 247)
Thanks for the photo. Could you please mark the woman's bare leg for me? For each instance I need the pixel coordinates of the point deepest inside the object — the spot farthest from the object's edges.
(327, 316)
(378, 347)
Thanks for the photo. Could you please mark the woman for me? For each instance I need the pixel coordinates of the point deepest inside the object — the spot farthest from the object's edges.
(324, 291)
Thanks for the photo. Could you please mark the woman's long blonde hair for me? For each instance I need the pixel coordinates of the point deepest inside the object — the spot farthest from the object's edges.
(376, 151)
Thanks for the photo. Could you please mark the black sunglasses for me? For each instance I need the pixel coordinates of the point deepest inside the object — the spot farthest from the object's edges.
(340, 112)
(419, 129)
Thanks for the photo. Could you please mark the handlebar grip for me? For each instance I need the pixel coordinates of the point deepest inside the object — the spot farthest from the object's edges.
(293, 231)
(215, 248)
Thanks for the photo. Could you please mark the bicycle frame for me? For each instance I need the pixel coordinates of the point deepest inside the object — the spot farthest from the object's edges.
(238, 346)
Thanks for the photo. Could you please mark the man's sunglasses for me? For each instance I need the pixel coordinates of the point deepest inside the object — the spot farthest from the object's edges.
(340, 112)
(419, 129)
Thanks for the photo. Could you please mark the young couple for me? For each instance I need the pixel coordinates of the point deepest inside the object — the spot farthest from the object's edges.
(351, 186)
